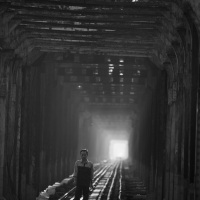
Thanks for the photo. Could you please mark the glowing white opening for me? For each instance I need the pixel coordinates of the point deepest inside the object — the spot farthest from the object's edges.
(118, 149)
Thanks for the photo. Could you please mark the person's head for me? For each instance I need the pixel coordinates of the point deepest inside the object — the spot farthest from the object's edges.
(84, 153)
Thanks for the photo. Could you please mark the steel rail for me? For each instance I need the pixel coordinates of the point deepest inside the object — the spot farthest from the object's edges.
(120, 182)
(106, 184)
(112, 186)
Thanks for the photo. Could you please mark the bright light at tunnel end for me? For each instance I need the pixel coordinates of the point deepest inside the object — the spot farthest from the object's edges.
(118, 149)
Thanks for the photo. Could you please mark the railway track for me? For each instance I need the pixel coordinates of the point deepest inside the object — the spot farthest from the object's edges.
(102, 177)
(112, 181)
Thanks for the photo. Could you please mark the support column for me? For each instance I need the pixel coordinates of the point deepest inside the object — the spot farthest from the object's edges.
(198, 152)
(3, 86)
(4, 82)
(2, 141)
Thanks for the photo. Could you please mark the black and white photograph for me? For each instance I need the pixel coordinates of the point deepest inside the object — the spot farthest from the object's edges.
(99, 99)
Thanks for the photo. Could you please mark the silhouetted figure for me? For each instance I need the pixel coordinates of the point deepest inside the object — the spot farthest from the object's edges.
(83, 175)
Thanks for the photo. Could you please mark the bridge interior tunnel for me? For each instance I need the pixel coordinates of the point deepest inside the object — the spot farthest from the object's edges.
(106, 76)
(60, 117)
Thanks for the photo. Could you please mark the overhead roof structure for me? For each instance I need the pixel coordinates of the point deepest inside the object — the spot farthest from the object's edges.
(115, 42)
